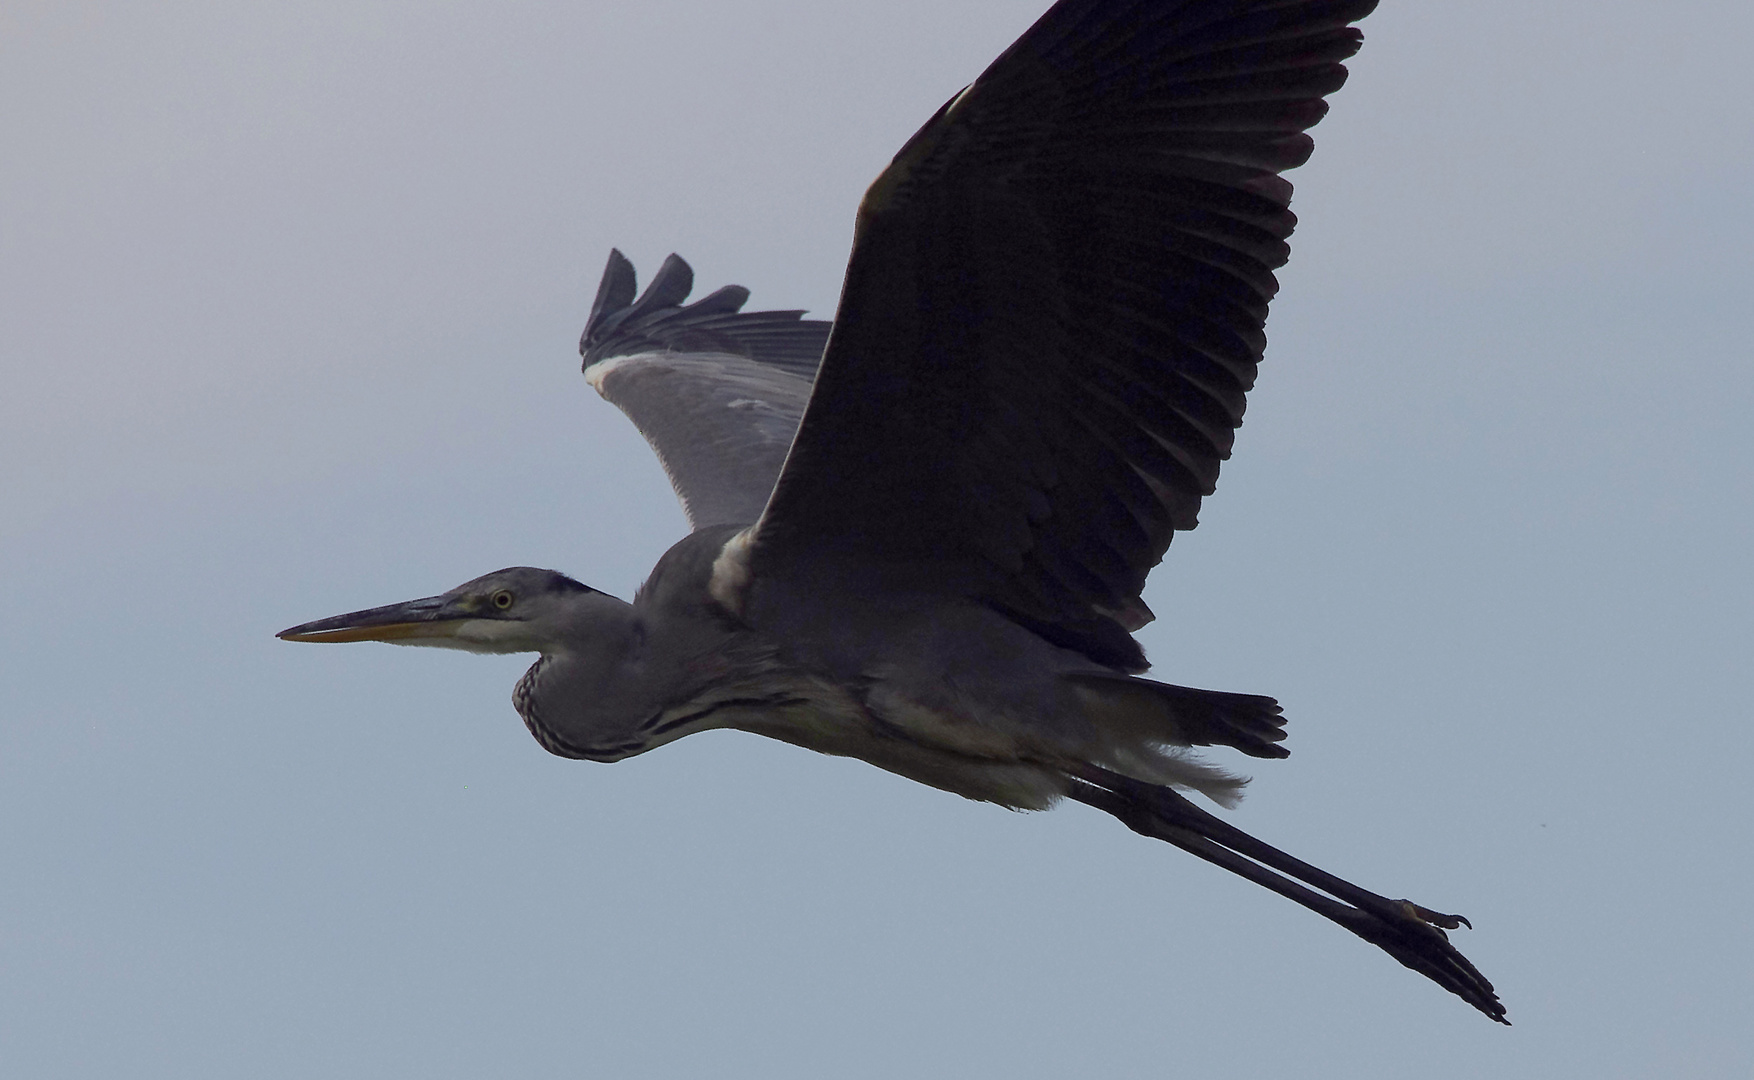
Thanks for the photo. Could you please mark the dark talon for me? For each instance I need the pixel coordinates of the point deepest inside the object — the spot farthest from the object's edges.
(1436, 918)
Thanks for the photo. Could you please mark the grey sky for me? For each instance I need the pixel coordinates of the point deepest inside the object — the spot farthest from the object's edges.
(288, 305)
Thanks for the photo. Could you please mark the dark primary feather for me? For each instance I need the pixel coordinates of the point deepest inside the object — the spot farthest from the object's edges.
(1054, 310)
(659, 322)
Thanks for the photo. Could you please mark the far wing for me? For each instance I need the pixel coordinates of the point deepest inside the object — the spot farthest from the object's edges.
(715, 390)
(1053, 311)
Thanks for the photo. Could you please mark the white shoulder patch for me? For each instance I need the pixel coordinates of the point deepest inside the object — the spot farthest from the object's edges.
(730, 578)
(602, 369)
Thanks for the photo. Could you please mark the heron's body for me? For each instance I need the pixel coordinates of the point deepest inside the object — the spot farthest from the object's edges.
(904, 683)
(920, 540)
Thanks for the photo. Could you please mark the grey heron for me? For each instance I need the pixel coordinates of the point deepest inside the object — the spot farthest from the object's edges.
(920, 533)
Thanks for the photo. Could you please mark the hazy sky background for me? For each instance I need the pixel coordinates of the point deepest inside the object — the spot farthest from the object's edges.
(289, 298)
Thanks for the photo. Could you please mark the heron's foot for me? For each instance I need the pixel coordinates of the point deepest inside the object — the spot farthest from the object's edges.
(1415, 936)
(1435, 918)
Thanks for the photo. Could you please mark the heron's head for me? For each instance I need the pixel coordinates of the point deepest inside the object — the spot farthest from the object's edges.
(520, 609)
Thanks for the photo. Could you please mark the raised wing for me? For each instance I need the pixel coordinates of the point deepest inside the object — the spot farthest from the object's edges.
(1054, 309)
(716, 390)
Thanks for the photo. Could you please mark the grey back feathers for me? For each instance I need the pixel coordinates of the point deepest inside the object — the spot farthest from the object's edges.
(716, 391)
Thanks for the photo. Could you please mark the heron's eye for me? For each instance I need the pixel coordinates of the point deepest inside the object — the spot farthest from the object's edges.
(502, 599)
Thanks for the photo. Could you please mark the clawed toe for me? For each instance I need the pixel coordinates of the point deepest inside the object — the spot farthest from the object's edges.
(1435, 918)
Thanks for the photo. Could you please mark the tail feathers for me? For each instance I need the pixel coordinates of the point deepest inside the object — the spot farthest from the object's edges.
(1182, 715)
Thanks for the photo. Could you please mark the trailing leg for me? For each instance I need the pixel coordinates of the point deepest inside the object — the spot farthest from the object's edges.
(1411, 934)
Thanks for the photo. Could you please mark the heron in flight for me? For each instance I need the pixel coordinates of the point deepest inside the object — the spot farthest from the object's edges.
(920, 532)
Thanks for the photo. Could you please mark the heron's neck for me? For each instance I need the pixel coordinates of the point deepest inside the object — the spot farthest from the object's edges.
(604, 691)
